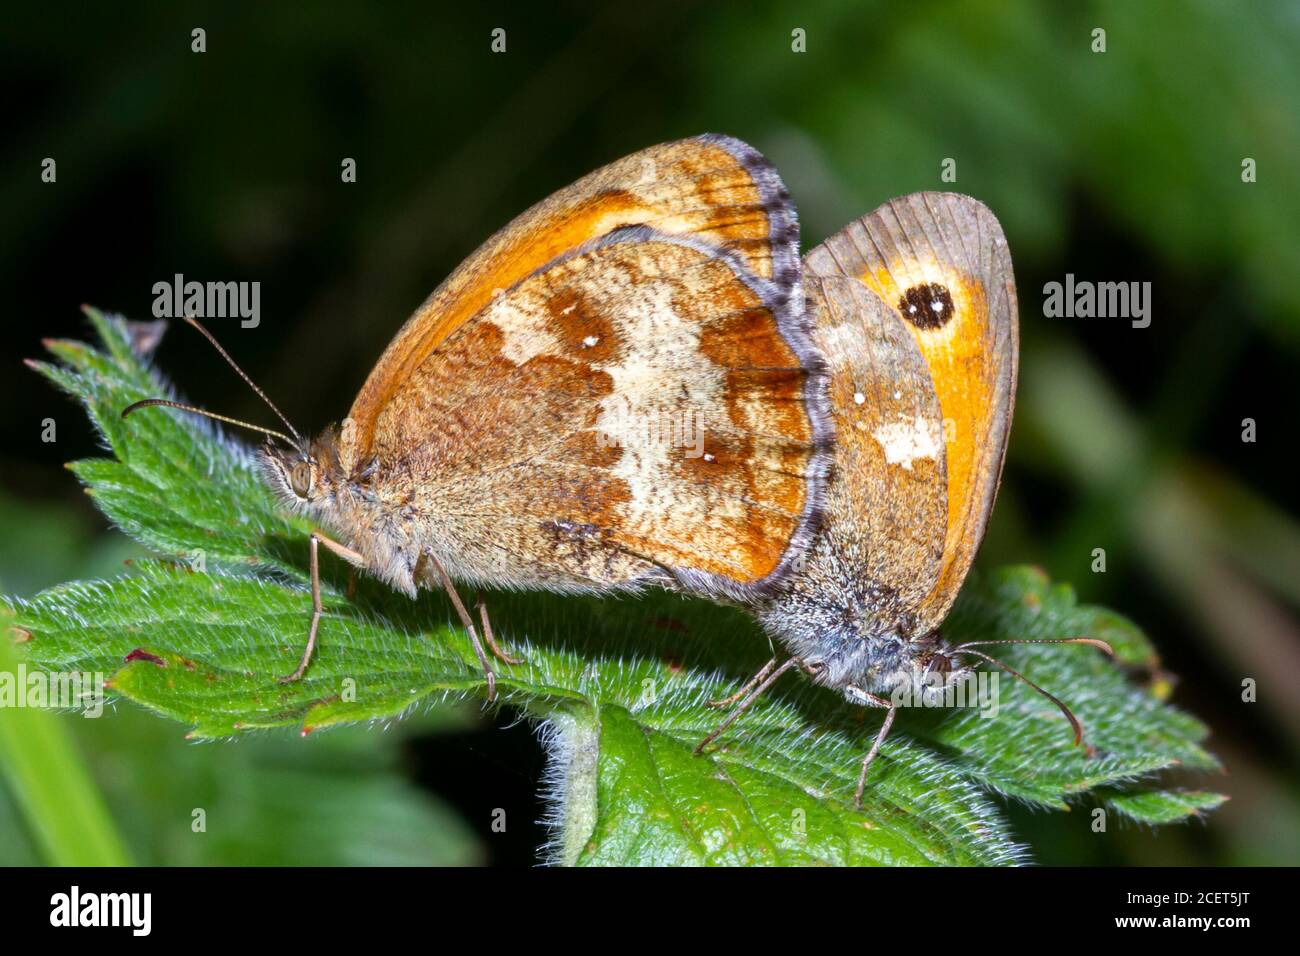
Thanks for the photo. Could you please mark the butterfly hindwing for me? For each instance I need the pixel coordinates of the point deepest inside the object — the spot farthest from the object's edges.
(881, 546)
(939, 262)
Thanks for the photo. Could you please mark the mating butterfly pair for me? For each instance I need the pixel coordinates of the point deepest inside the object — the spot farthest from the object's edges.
(854, 406)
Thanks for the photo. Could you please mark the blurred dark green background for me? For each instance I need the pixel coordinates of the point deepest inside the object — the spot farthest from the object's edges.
(1116, 166)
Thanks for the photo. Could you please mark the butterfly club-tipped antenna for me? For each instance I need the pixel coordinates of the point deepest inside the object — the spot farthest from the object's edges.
(295, 441)
(1069, 714)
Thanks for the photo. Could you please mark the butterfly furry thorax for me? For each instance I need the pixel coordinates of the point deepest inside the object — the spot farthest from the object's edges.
(854, 635)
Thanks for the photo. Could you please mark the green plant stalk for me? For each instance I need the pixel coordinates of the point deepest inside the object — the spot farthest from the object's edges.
(53, 786)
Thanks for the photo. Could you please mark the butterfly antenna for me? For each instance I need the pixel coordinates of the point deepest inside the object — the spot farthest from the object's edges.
(251, 384)
(1090, 641)
(134, 406)
(1069, 714)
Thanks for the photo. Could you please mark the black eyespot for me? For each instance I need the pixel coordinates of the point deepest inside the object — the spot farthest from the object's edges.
(927, 306)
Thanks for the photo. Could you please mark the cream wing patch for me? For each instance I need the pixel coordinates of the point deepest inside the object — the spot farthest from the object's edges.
(903, 442)
(649, 425)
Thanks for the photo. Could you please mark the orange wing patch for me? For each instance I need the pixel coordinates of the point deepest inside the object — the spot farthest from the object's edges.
(712, 187)
(941, 261)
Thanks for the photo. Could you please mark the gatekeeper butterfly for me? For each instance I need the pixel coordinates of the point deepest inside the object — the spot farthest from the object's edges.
(913, 308)
(500, 439)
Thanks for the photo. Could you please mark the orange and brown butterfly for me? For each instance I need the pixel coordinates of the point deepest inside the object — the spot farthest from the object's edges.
(513, 433)
(914, 309)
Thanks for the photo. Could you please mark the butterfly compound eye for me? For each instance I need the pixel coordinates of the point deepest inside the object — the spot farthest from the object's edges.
(300, 479)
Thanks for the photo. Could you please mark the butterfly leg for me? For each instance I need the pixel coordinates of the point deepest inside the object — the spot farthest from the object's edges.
(875, 747)
(745, 704)
(749, 685)
(487, 634)
(347, 554)
(468, 623)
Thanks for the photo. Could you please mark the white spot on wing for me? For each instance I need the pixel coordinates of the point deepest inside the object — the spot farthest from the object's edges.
(904, 442)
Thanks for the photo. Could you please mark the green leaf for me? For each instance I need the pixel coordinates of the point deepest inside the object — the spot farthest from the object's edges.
(1165, 806)
(619, 685)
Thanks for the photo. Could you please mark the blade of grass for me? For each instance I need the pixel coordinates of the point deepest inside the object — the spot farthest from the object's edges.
(52, 785)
